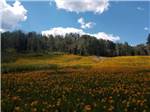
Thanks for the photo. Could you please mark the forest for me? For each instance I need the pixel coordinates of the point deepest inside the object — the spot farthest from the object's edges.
(31, 42)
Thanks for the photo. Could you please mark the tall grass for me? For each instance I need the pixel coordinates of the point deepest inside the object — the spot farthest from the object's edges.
(31, 62)
(23, 68)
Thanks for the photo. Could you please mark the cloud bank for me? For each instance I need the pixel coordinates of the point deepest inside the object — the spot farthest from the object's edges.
(63, 31)
(84, 24)
(96, 6)
(11, 15)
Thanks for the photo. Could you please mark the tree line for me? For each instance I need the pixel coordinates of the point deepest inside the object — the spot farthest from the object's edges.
(31, 42)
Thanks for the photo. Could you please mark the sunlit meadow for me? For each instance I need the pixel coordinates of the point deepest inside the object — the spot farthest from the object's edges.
(76, 84)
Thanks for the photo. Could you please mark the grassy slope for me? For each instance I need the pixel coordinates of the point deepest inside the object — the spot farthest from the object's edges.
(53, 62)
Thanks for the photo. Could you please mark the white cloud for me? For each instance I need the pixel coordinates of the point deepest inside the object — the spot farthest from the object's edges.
(62, 31)
(140, 8)
(84, 24)
(146, 28)
(105, 36)
(2, 30)
(11, 15)
(96, 6)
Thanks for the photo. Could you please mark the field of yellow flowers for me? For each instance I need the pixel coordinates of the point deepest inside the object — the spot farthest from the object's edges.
(78, 84)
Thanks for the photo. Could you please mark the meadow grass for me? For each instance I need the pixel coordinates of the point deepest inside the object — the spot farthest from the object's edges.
(72, 83)
(41, 62)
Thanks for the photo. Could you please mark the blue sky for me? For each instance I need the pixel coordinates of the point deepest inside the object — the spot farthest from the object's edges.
(128, 20)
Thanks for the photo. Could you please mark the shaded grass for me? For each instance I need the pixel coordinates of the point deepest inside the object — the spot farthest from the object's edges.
(23, 68)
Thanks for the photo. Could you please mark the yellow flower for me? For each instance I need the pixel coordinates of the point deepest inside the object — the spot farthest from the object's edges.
(15, 98)
(17, 109)
(34, 110)
(88, 107)
(34, 103)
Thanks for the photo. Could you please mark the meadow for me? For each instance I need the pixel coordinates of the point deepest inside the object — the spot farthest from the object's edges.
(73, 83)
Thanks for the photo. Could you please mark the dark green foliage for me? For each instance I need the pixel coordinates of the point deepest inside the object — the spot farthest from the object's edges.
(148, 39)
(9, 56)
(20, 42)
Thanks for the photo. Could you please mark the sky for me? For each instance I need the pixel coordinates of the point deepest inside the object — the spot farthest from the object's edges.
(118, 21)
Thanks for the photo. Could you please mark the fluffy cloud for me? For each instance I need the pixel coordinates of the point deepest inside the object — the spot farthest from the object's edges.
(2, 30)
(84, 24)
(11, 15)
(96, 6)
(63, 31)
(146, 28)
(140, 8)
(103, 35)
